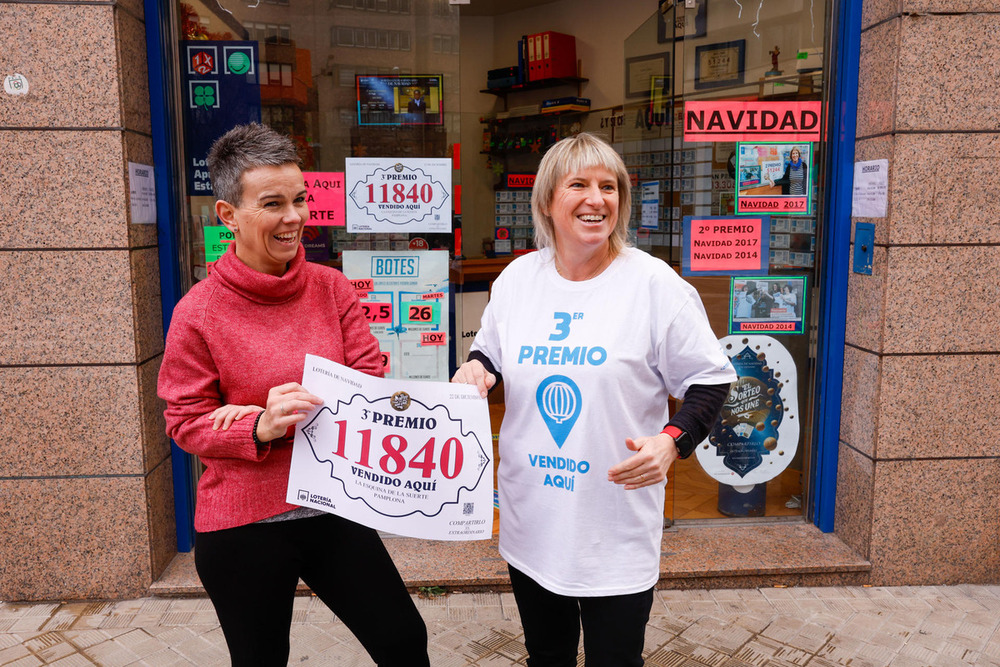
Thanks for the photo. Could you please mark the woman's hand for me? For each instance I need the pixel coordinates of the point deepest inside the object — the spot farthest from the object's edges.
(229, 413)
(473, 372)
(649, 465)
(287, 405)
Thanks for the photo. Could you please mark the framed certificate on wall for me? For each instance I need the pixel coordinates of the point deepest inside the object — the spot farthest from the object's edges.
(719, 65)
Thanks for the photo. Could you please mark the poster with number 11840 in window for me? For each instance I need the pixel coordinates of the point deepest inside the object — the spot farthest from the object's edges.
(399, 195)
(404, 456)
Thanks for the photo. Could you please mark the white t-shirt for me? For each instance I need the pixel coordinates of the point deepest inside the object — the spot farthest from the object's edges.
(586, 365)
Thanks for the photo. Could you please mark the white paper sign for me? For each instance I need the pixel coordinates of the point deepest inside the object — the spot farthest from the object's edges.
(650, 204)
(399, 195)
(407, 457)
(871, 189)
(142, 193)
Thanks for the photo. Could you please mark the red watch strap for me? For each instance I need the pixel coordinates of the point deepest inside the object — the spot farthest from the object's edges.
(672, 431)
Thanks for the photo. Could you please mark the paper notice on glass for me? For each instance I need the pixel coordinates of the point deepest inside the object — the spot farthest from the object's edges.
(871, 189)
(403, 456)
(142, 193)
(650, 192)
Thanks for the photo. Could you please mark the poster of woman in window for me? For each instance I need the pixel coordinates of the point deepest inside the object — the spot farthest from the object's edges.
(772, 304)
(774, 178)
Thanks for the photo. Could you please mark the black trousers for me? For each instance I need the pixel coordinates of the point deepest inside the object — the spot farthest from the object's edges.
(251, 572)
(614, 627)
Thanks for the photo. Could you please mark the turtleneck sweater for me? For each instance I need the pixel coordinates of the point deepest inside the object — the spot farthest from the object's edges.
(232, 338)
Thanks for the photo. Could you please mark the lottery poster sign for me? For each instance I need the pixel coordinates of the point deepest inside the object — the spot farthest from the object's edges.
(407, 457)
(406, 299)
(398, 195)
(725, 245)
(325, 197)
(767, 304)
(221, 89)
(774, 178)
(757, 434)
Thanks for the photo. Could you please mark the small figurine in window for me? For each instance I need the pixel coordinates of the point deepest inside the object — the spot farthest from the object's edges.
(774, 60)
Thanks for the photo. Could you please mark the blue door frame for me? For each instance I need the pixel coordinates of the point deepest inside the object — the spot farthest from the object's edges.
(162, 68)
(841, 118)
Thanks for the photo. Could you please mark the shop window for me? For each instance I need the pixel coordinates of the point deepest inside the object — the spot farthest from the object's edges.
(301, 89)
(711, 54)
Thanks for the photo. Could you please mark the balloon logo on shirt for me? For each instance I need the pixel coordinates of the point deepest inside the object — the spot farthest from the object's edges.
(559, 401)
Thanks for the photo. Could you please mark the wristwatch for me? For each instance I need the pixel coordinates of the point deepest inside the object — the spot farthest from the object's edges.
(685, 445)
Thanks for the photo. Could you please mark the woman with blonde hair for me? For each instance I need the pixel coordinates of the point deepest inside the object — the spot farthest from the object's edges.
(591, 337)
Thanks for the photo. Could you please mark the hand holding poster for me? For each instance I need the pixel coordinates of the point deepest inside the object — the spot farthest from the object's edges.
(407, 457)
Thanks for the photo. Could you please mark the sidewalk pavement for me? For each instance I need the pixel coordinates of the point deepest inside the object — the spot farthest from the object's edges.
(850, 626)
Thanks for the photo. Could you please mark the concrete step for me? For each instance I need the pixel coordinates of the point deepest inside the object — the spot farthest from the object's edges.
(717, 554)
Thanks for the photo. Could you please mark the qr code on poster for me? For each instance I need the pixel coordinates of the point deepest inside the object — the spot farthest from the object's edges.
(468, 508)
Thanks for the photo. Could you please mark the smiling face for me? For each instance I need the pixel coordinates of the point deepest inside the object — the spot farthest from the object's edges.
(269, 219)
(795, 155)
(584, 211)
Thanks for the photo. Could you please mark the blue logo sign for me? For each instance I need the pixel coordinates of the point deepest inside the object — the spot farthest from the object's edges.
(559, 403)
(747, 429)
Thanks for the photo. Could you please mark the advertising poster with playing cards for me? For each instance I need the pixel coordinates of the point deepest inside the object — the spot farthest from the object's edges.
(402, 456)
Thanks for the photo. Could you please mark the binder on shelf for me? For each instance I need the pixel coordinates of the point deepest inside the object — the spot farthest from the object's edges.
(558, 55)
(522, 59)
(501, 73)
(502, 83)
(534, 57)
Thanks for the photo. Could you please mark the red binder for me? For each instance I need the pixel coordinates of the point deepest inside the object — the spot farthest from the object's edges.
(534, 57)
(558, 55)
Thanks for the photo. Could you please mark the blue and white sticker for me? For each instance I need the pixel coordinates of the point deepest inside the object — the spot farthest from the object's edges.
(757, 434)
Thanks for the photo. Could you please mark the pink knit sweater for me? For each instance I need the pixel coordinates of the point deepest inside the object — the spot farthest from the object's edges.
(232, 338)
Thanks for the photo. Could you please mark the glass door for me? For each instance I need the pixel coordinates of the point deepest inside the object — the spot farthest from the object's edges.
(698, 164)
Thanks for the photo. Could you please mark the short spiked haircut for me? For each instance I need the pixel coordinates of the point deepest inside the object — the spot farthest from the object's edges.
(241, 149)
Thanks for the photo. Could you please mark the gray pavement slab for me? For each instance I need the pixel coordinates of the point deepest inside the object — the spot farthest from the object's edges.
(920, 626)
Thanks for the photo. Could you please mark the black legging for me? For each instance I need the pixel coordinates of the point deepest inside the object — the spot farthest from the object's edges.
(614, 627)
(251, 572)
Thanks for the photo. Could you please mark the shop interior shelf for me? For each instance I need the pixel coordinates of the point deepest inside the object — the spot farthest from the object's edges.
(534, 85)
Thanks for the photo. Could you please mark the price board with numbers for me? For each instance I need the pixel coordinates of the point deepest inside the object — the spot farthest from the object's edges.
(399, 195)
(411, 458)
(405, 298)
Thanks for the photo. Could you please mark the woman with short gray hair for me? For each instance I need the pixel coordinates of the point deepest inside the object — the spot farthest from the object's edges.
(238, 341)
